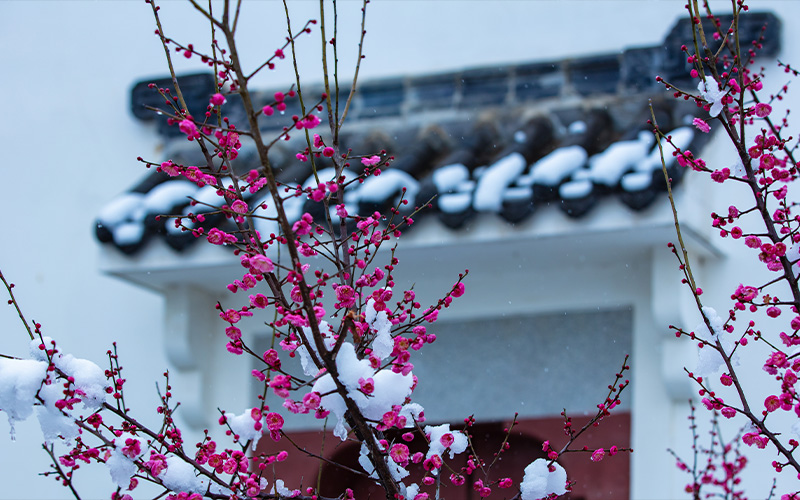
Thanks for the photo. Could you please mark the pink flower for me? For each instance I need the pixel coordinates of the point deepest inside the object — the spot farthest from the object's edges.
(274, 421)
(217, 237)
(372, 160)
(720, 175)
(217, 99)
(259, 300)
(235, 347)
(270, 357)
(400, 454)
(189, 128)
(341, 211)
(303, 226)
(457, 479)
(388, 419)
(261, 263)
(230, 466)
(233, 332)
(763, 110)
(598, 455)
(772, 403)
(311, 121)
(506, 482)
(753, 438)
(95, 420)
(433, 463)
(701, 125)
(328, 152)
(319, 193)
(752, 241)
(346, 296)
(311, 400)
(367, 386)
(170, 169)
(268, 110)
(231, 316)
(239, 207)
(132, 448)
(157, 463)
(447, 440)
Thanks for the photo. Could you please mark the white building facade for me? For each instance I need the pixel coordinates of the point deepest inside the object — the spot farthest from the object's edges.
(608, 273)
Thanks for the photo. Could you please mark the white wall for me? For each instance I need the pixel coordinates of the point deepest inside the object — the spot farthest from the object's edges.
(71, 145)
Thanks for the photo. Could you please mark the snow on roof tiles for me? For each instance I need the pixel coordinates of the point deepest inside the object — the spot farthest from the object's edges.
(506, 140)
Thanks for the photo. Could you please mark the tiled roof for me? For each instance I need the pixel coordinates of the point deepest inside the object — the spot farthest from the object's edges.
(505, 140)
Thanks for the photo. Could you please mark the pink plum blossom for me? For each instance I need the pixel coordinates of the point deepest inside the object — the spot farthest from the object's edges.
(701, 125)
(217, 99)
(763, 110)
(261, 263)
(372, 160)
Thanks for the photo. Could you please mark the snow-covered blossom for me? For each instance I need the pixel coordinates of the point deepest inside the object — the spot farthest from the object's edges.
(443, 439)
(390, 392)
(248, 426)
(121, 468)
(540, 480)
(709, 89)
(709, 360)
(19, 381)
(180, 476)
